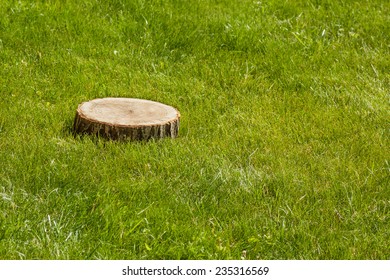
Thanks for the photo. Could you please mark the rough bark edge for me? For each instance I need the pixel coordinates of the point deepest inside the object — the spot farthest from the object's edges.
(83, 125)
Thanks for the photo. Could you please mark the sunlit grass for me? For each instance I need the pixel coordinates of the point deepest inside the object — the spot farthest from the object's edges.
(283, 150)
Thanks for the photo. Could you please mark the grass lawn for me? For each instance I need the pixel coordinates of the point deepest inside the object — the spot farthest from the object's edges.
(283, 150)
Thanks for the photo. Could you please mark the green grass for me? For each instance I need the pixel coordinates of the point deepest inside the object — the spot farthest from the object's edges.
(283, 150)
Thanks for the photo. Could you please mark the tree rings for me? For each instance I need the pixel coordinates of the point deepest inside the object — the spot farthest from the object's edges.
(127, 119)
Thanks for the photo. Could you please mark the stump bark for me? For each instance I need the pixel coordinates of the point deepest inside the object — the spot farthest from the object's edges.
(126, 119)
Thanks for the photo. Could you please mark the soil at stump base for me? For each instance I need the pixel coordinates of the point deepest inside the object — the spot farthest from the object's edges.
(127, 119)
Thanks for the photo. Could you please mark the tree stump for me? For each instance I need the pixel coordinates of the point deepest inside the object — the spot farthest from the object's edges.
(126, 119)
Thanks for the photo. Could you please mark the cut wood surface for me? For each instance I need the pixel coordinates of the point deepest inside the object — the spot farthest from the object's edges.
(127, 119)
